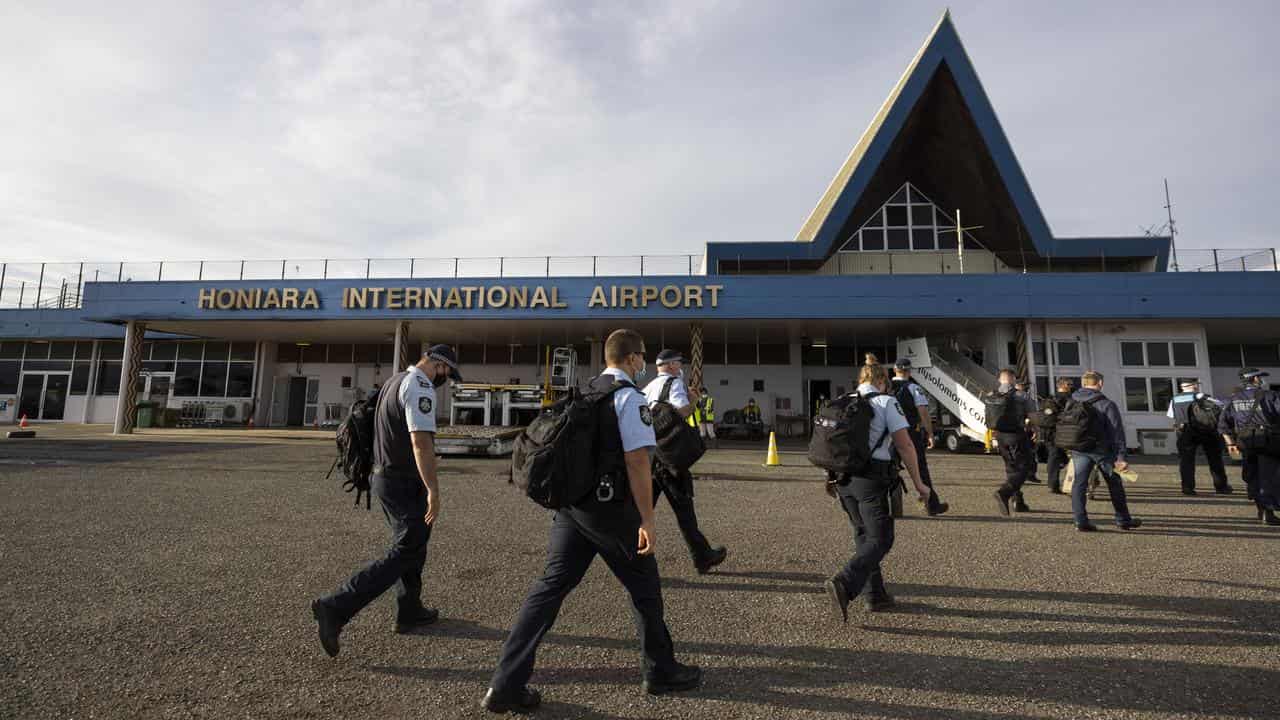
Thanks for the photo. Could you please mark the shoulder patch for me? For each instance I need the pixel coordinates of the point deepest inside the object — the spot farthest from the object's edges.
(424, 404)
(897, 406)
(423, 383)
(645, 416)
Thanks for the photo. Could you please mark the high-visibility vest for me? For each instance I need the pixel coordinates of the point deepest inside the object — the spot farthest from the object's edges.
(703, 411)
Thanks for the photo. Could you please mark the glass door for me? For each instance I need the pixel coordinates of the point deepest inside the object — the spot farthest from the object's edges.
(55, 396)
(29, 393)
(159, 385)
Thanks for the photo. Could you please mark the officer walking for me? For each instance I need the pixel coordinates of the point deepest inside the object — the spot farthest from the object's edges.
(1033, 404)
(915, 408)
(1107, 454)
(1239, 408)
(677, 483)
(1195, 418)
(618, 526)
(704, 416)
(866, 499)
(1057, 456)
(404, 481)
(1015, 445)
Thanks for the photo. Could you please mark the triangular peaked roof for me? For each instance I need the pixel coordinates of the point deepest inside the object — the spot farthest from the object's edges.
(938, 123)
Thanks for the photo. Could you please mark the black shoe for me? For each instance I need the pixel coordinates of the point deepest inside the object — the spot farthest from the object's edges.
(713, 558)
(684, 677)
(1034, 480)
(330, 627)
(1020, 505)
(1056, 490)
(525, 701)
(937, 509)
(1130, 524)
(839, 598)
(408, 622)
(1189, 492)
(1224, 490)
(1268, 517)
(880, 603)
(1002, 503)
(1086, 527)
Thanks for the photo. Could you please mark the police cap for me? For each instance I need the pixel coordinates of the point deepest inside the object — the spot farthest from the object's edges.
(445, 354)
(903, 364)
(668, 356)
(1250, 373)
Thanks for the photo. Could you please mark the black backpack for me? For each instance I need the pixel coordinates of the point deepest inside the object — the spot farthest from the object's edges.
(679, 443)
(1257, 429)
(907, 401)
(1203, 415)
(1047, 417)
(841, 440)
(1077, 427)
(554, 459)
(355, 447)
(1003, 412)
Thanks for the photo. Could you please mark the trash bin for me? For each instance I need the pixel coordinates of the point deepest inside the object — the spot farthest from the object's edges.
(144, 415)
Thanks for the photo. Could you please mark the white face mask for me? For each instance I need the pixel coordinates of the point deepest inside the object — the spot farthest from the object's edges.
(1005, 387)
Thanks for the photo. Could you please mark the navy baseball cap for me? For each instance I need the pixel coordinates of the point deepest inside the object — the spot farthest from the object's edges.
(445, 354)
(1250, 373)
(903, 364)
(669, 355)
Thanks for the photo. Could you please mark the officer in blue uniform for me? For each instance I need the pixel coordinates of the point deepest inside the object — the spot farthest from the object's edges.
(404, 481)
(915, 408)
(1238, 408)
(616, 523)
(1188, 410)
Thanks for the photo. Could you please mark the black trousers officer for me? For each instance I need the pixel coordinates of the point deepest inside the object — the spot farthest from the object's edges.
(404, 502)
(922, 459)
(1019, 462)
(572, 548)
(866, 502)
(1189, 442)
(1249, 472)
(677, 485)
(1058, 460)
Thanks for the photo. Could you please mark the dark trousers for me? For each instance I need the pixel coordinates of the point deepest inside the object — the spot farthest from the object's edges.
(922, 459)
(678, 487)
(569, 554)
(1083, 463)
(866, 502)
(1057, 461)
(404, 502)
(1268, 481)
(1249, 472)
(1019, 461)
(1188, 443)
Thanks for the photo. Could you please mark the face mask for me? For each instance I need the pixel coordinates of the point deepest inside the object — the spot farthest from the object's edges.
(1005, 387)
(641, 372)
(440, 379)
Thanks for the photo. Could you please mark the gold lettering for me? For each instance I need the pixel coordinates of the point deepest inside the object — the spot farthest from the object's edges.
(454, 300)
(647, 294)
(395, 298)
(555, 299)
(244, 299)
(629, 294)
(257, 297)
(692, 294)
(290, 298)
(226, 299)
(497, 296)
(468, 292)
(539, 298)
(357, 298)
(273, 299)
(597, 298)
(519, 297)
(413, 297)
(675, 300)
(206, 300)
(613, 296)
(310, 300)
(375, 295)
(715, 294)
(431, 297)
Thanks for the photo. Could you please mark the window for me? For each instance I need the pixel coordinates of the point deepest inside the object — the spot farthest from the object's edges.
(907, 221)
(1225, 356)
(245, 351)
(757, 386)
(1067, 352)
(1161, 393)
(1184, 354)
(164, 350)
(497, 355)
(712, 353)
(195, 351)
(1158, 354)
(775, 354)
(1262, 355)
(1131, 354)
(526, 355)
(1135, 395)
(1042, 386)
(11, 350)
(62, 350)
(1037, 350)
(811, 356)
(109, 377)
(287, 353)
(186, 379)
(741, 354)
(9, 371)
(79, 379)
(240, 380)
(216, 350)
(840, 356)
(338, 353)
(213, 379)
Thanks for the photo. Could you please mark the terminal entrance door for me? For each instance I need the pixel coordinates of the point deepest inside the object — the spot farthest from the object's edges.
(43, 396)
(297, 403)
(157, 388)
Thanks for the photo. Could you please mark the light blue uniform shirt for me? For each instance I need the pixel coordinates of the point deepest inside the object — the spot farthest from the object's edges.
(634, 422)
(678, 397)
(418, 395)
(888, 415)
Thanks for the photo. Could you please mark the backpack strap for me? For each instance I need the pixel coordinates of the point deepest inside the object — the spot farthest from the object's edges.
(665, 395)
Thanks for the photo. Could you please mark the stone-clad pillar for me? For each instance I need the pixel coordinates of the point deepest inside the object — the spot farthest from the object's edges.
(695, 355)
(127, 403)
(402, 346)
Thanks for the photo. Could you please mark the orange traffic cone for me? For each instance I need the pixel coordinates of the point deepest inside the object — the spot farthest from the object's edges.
(22, 424)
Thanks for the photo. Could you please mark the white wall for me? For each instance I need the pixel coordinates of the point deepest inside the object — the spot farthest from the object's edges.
(907, 262)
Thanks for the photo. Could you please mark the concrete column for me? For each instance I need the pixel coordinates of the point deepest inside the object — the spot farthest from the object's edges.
(695, 354)
(92, 389)
(1031, 357)
(401, 355)
(127, 403)
(265, 383)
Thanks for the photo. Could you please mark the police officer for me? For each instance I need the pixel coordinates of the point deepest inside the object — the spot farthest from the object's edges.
(616, 524)
(1057, 456)
(1269, 463)
(404, 481)
(704, 416)
(915, 407)
(1033, 405)
(866, 499)
(1240, 406)
(1107, 455)
(677, 483)
(1015, 446)
(1192, 435)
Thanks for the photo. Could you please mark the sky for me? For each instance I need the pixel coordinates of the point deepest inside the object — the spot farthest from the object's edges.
(179, 130)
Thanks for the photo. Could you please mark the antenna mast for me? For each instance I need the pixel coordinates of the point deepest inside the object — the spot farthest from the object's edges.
(1173, 233)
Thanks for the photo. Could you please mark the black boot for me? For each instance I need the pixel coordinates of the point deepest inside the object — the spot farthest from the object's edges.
(522, 702)
(330, 627)
(1002, 503)
(682, 677)
(409, 620)
(1020, 505)
(1268, 516)
(713, 557)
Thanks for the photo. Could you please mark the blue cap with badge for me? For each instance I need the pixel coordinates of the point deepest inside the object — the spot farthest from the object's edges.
(669, 356)
(445, 354)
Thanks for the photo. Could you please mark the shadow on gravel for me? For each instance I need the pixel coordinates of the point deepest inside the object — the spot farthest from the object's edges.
(1141, 685)
(87, 452)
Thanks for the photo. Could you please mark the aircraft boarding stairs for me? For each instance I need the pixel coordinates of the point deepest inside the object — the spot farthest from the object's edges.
(956, 383)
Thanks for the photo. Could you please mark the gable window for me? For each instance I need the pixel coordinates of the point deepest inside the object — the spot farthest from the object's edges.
(909, 221)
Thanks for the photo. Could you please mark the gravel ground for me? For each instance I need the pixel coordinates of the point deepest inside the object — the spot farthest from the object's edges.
(152, 578)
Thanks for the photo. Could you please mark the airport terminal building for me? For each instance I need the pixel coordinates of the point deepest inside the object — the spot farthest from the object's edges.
(884, 256)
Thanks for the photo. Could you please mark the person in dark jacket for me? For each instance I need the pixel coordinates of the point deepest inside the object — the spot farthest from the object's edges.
(1239, 407)
(1108, 455)
(1014, 443)
(1057, 456)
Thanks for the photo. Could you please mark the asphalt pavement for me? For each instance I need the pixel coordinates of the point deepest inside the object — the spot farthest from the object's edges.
(169, 577)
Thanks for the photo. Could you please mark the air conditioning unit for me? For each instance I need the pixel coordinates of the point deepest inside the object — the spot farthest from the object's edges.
(236, 412)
